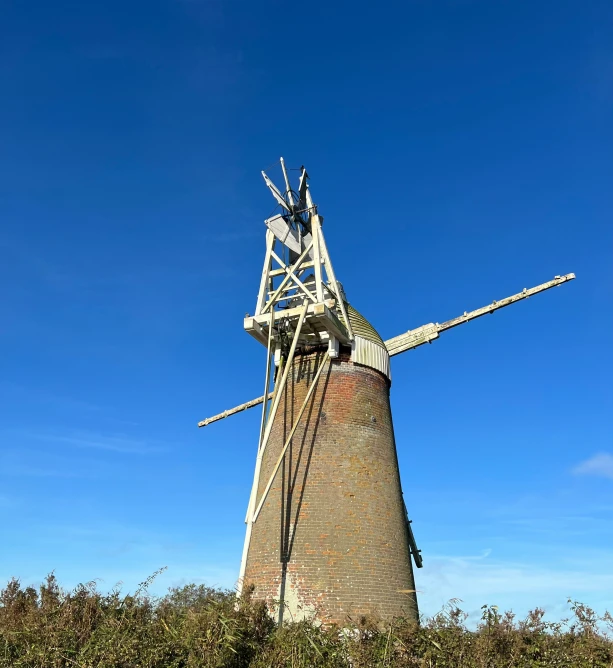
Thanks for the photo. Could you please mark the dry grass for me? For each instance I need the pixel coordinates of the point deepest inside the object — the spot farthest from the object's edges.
(196, 626)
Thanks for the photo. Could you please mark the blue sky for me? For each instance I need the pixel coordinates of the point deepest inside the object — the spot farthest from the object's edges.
(459, 152)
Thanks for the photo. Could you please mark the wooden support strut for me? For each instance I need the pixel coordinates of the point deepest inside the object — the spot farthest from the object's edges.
(254, 489)
(266, 277)
(289, 439)
(258, 463)
(298, 282)
(275, 405)
(332, 277)
(271, 395)
(269, 354)
(293, 268)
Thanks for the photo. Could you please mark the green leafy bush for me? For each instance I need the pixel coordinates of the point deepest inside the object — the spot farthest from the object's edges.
(196, 626)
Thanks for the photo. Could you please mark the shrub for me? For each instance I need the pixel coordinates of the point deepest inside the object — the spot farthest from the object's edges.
(199, 627)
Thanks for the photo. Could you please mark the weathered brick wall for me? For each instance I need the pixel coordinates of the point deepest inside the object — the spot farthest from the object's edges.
(331, 536)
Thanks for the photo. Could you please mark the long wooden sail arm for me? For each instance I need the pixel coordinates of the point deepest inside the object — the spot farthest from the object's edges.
(232, 411)
(427, 333)
(424, 334)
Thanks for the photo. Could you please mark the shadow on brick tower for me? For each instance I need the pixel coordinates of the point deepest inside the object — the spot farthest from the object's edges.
(327, 529)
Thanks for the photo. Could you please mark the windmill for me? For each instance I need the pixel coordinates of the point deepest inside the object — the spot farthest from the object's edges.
(328, 532)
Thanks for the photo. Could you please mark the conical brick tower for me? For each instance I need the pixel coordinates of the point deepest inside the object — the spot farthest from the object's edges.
(327, 529)
(331, 538)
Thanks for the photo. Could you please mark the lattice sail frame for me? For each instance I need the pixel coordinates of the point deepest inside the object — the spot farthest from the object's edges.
(297, 271)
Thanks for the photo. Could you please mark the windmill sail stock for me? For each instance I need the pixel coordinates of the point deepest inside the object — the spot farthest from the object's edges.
(422, 335)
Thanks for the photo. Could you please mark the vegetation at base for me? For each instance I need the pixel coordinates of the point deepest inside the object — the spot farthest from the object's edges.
(196, 626)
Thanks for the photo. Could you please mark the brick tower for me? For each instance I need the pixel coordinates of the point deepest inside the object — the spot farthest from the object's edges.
(327, 529)
(331, 538)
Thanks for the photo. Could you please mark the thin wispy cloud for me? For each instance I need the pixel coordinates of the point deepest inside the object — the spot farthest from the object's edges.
(111, 443)
(600, 465)
(520, 585)
(27, 463)
(37, 395)
(552, 527)
(99, 441)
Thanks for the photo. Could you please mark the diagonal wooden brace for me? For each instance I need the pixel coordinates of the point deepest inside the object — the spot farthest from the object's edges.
(264, 440)
(270, 303)
(291, 435)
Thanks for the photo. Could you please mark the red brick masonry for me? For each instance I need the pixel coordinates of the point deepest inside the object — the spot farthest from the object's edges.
(331, 537)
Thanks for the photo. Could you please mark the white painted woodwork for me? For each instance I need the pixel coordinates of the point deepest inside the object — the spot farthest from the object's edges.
(428, 333)
(362, 354)
(264, 441)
